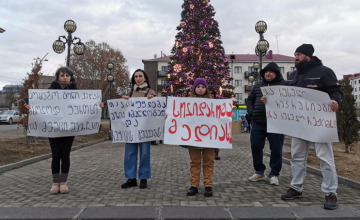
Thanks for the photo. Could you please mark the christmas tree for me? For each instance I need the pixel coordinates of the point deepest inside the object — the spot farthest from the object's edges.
(198, 52)
(347, 123)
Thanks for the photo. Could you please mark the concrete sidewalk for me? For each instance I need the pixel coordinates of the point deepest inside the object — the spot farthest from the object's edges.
(97, 172)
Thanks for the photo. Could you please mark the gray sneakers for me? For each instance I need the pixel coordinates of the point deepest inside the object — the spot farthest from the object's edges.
(257, 177)
(274, 181)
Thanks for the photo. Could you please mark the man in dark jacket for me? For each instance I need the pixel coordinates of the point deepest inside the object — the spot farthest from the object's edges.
(271, 76)
(312, 74)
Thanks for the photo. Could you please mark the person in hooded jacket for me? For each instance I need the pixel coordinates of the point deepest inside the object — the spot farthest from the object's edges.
(256, 109)
(61, 146)
(311, 73)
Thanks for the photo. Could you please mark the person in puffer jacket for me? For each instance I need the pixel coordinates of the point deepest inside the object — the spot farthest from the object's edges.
(256, 109)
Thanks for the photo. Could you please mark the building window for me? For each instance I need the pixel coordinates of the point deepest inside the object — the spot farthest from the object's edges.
(251, 69)
(164, 68)
(238, 69)
(163, 82)
(282, 70)
(355, 82)
(238, 96)
(238, 83)
(292, 69)
(355, 96)
(355, 90)
(359, 80)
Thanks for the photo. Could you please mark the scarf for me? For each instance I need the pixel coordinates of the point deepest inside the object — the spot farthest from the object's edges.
(141, 88)
(64, 85)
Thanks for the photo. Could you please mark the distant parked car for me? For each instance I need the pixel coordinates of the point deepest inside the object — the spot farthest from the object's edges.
(9, 116)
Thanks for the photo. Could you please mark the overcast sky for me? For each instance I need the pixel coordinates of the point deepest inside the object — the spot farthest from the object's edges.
(142, 28)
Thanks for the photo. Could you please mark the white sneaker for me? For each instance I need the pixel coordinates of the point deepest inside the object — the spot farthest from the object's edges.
(274, 181)
(257, 177)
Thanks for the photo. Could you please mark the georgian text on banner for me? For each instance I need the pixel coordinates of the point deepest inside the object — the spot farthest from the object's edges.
(300, 112)
(137, 119)
(59, 113)
(199, 122)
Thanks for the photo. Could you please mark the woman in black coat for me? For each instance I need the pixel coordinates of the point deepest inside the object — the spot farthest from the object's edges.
(61, 146)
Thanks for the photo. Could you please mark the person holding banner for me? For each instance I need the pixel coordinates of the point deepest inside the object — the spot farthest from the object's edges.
(256, 109)
(140, 87)
(311, 73)
(61, 146)
(200, 90)
(213, 95)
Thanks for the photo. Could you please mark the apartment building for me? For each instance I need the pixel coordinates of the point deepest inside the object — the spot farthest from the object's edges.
(241, 65)
(355, 83)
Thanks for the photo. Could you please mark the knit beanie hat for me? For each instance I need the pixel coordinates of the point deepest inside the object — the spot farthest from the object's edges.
(306, 49)
(200, 81)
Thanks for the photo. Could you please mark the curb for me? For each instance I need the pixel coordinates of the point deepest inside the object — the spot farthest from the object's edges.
(342, 180)
(181, 213)
(43, 157)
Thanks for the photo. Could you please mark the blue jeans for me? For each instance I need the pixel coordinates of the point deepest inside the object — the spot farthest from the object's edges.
(257, 138)
(130, 160)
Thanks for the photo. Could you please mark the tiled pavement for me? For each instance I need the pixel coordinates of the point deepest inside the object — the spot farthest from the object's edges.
(97, 172)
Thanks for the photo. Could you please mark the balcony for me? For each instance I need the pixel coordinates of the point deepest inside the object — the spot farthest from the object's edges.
(247, 74)
(161, 73)
(248, 88)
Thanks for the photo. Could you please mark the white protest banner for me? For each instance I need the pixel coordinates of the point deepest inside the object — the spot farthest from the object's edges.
(300, 112)
(137, 119)
(199, 122)
(60, 113)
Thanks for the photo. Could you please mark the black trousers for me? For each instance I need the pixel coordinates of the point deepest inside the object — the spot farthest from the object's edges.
(60, 148)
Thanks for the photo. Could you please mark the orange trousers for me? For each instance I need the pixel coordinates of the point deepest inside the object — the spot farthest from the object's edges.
(208, 157)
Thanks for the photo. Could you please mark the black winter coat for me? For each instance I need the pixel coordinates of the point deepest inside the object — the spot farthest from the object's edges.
(56, 85)
(319, 77)
(255, 107)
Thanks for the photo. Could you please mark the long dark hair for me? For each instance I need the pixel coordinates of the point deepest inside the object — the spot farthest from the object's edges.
(65, 69)
(145, 75)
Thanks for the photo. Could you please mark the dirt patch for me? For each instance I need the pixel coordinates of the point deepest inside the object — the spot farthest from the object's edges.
(14, 150)
(346, 163)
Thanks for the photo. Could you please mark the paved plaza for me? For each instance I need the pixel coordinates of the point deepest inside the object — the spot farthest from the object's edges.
(97, 172)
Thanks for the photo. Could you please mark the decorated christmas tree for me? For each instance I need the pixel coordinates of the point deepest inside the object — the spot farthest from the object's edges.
(198, 52)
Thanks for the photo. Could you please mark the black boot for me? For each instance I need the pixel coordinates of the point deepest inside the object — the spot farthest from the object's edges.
(153, 143)
(208, 192)
(129, 183)
(143, 184)
(192, 191)
(217, 157)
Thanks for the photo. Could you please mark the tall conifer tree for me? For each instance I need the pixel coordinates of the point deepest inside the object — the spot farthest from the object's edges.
(348, 125)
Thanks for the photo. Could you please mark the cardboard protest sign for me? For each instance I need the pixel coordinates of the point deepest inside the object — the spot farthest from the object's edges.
(300, 112)
(60, 113)
(199, 122)
(137, 119)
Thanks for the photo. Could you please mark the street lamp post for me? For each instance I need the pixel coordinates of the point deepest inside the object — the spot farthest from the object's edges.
(256, 73)
(59, 45)
(110, 79)
(262, 45)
